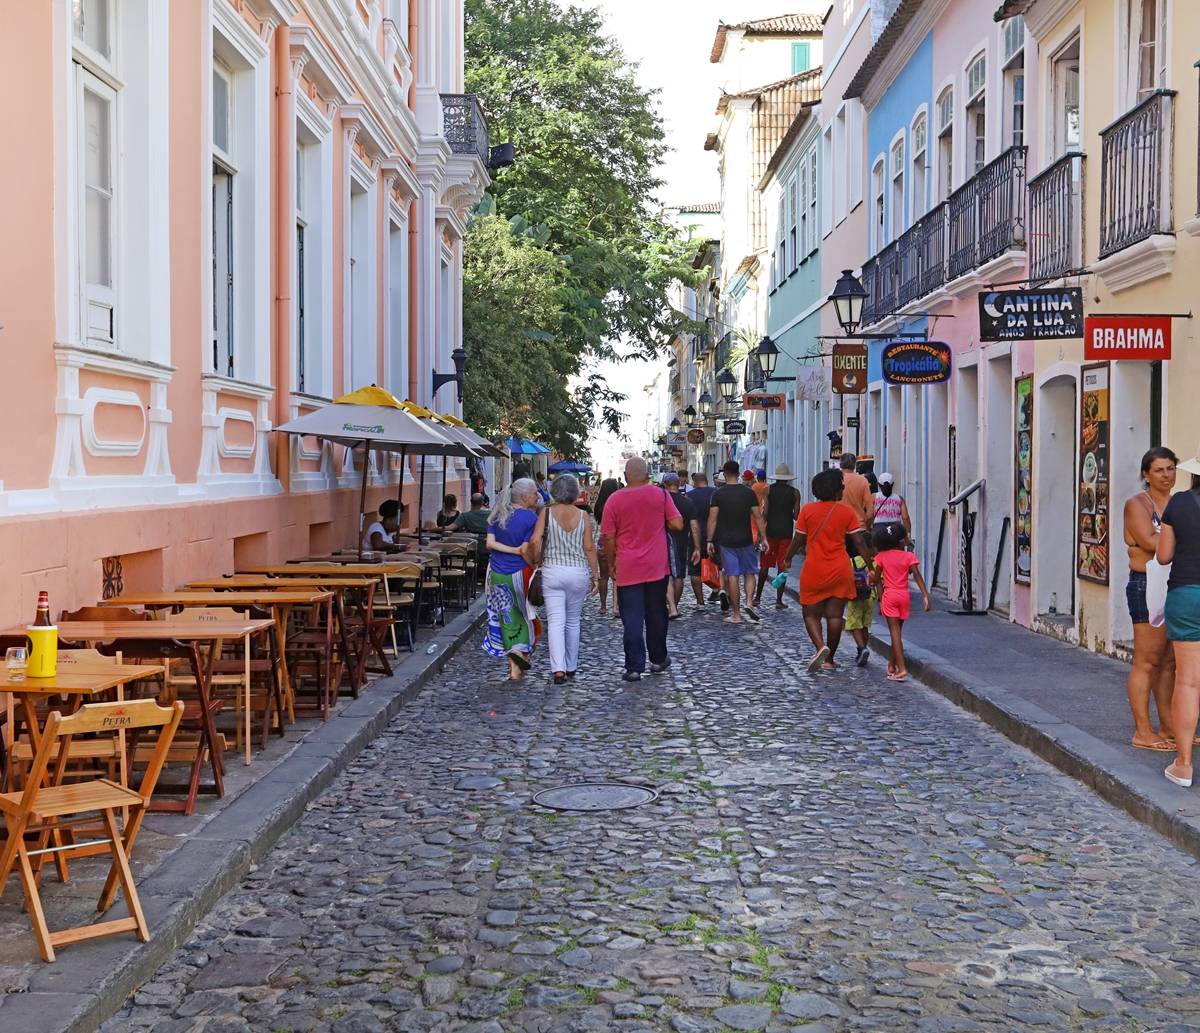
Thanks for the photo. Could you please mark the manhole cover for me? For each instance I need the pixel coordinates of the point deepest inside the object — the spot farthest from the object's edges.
(594, 796)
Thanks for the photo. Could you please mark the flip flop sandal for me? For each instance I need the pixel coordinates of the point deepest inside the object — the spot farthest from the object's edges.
(897, 677)
(520, 659)
(1158, 746)
(815, 663)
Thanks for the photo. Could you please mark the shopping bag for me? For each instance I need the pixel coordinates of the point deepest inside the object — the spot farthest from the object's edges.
(709, 574)
(1157, 575)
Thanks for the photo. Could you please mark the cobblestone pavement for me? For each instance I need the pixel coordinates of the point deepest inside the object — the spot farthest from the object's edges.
(828, 852)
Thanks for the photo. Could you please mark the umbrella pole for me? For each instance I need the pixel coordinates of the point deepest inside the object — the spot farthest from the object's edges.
(444, 461)
(403, 471)
(362, 497)
(421, 502)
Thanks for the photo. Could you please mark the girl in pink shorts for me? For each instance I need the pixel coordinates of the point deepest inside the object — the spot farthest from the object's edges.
(893, 566)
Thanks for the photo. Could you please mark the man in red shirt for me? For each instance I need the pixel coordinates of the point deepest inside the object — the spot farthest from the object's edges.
(634, 527)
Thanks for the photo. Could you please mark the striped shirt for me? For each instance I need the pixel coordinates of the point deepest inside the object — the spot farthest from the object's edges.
(564, 548)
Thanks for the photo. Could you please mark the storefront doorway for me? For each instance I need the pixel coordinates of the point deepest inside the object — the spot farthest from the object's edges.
(997, 538)
(1055, 422)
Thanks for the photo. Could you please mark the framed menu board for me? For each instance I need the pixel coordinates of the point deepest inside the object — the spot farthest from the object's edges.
(1023, 481)
(1093, 513)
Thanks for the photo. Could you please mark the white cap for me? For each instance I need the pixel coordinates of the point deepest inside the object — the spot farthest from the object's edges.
(886, 478)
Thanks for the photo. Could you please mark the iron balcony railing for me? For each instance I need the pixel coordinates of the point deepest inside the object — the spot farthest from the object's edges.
(465, 126)
(1135, 173)
(982, 220)
(673, 382)
(753, 378)
(1056, 218)
(724, 348)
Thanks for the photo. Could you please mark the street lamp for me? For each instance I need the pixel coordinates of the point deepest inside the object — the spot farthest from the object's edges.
(675, 425)
(690, 413)
(848, 297)
(768, 356)
(727, 383)
(459, 357)
(705, 401)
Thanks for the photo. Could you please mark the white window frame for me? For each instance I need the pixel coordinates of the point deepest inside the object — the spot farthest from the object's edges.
(793, 229)
(396, 338)
(828, 172)
(842, 168)
(918, 186)
(361, 308)
(975, 150)
(813, 234)
(878, 219)
(98, 299)
(897, 158)
(247, 58)
(944, 119)
(854, 151)
(1129, 52)
(1057, 141)
(314, 208)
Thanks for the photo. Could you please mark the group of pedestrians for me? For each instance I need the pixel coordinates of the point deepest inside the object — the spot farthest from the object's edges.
(651, 539)
(1162, 533)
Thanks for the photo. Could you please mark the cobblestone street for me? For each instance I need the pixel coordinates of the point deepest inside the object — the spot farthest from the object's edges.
(828, 852)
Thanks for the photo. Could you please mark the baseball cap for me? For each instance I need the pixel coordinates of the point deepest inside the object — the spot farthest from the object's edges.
(748, 476)
(886, 478)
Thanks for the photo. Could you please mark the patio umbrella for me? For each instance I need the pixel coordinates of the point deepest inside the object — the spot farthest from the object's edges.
(371, 418)
(568, 466)
(458, 446)
(524, 447)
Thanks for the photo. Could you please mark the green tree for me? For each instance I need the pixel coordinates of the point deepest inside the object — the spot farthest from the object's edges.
(588, 140)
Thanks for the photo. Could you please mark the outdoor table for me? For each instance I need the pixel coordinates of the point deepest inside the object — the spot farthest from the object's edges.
(171, 639)
(78, 682)
(280, 603)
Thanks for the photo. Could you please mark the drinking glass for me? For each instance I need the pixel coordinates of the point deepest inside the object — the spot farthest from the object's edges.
(15, 659)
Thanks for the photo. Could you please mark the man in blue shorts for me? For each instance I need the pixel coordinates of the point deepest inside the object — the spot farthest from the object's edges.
(734, 506)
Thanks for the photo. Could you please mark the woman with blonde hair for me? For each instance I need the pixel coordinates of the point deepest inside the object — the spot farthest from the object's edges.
(563, 541)
(512, 627)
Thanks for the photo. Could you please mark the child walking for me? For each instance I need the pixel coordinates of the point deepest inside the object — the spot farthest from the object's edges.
(893, 565)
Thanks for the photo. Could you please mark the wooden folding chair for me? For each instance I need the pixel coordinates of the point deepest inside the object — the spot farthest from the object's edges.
(38, 808)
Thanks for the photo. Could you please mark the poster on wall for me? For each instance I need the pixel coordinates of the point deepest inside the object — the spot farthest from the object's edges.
(1023, 481)
(1093, 475)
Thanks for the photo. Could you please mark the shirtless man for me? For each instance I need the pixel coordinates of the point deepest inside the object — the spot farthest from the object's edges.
(1153, 667)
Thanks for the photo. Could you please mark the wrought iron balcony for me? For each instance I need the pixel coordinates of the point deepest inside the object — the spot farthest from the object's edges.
(673, 382)
(724, 348)
(1056, 218)
(465, 126)
(753, 377)
(1135, 173)
(982, 220)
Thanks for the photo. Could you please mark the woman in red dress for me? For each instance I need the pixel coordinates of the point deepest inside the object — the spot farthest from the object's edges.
(827, 577)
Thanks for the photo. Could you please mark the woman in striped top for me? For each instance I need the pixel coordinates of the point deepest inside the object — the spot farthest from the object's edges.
(570, 572)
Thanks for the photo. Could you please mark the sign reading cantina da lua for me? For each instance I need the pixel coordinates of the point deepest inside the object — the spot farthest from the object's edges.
(1031, 315)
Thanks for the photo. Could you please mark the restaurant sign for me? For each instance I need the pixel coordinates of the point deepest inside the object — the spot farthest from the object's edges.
(849, 369)
(695, 436)
(762, 401)
(1127, 337)
(1031, 315)
(916, 362)
(732, 428)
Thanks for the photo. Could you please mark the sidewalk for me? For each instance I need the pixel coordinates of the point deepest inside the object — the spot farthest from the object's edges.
(1066, 704)
(184, 864)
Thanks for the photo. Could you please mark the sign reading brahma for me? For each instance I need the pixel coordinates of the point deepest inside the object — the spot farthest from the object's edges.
(916, 362)
(1127, 337)
(1031, 315)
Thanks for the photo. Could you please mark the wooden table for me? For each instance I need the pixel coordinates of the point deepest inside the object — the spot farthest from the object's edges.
(164, 639)
(79, 681)
(280, 603)
(323, 569)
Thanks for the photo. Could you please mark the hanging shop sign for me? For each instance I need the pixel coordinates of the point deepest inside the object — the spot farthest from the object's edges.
(732, 428)
(765, 402)
(813, 384)
(852, 423)
(849, 369)
(1093, 543)
(1023, 481)
(1127, 337)
(695, 436)
(916, 362)
(1031, 315)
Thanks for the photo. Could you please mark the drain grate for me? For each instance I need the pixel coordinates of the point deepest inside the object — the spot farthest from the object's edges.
(595, 796)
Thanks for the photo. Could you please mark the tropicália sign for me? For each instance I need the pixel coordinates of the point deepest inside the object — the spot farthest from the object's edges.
(916, 362)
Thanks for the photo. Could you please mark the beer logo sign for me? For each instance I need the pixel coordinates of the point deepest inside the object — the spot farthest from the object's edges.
(916, 362)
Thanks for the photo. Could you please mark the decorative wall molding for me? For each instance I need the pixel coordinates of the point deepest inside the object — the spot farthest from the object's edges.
(318, 64)
(1146, 260)
(299, 479)
(98, 446)
(260, 480)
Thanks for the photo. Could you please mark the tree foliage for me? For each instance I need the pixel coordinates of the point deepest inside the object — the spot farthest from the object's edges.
(588, 140)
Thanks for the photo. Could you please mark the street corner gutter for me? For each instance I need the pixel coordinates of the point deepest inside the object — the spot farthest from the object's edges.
(67, 998)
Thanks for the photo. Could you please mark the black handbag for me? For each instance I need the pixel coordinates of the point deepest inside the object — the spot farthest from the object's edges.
(533, 591)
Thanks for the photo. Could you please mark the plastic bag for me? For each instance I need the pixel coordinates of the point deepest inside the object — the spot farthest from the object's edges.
(709, 574)
(1157, 575)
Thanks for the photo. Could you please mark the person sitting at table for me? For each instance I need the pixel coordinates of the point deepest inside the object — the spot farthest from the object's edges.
(380, 535)
(475, 521)
(449, 511)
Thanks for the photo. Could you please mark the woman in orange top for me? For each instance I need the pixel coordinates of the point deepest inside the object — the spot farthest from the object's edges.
(827, 577)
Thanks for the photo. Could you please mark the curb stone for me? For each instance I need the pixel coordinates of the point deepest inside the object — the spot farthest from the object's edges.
(1095, 763)
(187, 885)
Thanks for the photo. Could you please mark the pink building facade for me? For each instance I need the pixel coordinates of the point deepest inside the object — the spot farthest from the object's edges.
(225, 214)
